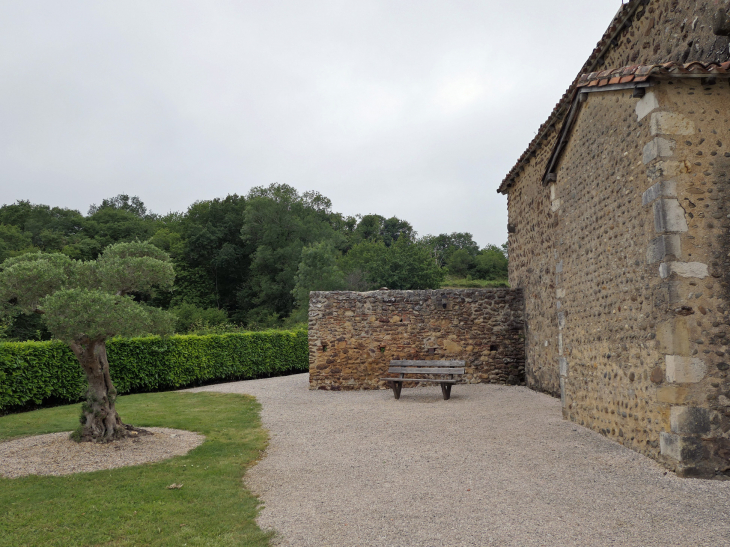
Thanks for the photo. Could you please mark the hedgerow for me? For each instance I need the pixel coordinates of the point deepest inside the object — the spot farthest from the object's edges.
(32, 372)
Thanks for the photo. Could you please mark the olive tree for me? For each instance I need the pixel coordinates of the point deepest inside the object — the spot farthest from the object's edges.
(86, 303)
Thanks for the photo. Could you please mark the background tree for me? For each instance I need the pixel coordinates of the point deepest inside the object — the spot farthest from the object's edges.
(317, 271)
(460, 263)
(191, 317)
(378, 228)
(238, 257)
(402, 266)
(443, 246)
(210, 258)
(86, 303)
(278, 223)
(491, 263)
(122, 202)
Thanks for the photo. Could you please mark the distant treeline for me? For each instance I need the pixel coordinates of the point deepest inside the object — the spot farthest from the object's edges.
(250, 260)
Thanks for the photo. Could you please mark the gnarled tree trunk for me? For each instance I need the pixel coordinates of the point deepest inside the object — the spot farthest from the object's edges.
(99, 419)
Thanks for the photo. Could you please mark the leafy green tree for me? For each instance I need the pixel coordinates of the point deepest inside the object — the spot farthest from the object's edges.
(460, 262)
(190, 317)
(50, 229)
(443, 246)
(379, 228)
(318, 271)
(13, 241)
(122, 202)
(86, 303)
(369, 228)
(394, 229)
(109, 225)
(278, 223)
(402, 266)
(212, 262)
(491, 263)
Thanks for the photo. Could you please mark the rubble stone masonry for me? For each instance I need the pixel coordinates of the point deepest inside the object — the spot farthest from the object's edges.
(354, 336)
(624, 263)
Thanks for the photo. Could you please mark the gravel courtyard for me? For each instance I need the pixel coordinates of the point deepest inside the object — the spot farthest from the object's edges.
(494, 465)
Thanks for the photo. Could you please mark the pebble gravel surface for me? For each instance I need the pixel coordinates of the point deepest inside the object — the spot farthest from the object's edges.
(56, 454)
(495, 465)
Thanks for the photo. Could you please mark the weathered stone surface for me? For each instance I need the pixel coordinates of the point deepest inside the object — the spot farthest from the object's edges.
(656, 148)
(673, 395)
(684, 269)
(685, 370)
(669, 216)
(662, 247)
(671, 123)
(665, 188)
(673, 337)
(563, 366)
(657, 375)
(646, 105)
(689, 420)
(483, 327)
(682, 449)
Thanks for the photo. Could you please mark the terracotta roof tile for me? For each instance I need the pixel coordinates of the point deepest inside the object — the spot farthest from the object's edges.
(643, 73)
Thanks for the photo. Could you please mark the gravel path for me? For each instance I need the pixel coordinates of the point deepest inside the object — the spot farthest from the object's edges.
(494, 465)
(56, 454)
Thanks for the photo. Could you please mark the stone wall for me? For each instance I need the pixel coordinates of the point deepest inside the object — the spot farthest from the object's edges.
(624, 258)
(354, 336)
(624, 262)
(661, 31)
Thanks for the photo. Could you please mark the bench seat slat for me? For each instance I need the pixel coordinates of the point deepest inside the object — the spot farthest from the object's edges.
(431, 364)
(414, 370)
(433, 368)
(444, 381)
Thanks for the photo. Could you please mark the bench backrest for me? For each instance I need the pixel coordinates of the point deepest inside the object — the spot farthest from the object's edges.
(427, 367)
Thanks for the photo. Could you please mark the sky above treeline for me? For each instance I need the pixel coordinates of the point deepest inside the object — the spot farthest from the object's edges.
(400, 108)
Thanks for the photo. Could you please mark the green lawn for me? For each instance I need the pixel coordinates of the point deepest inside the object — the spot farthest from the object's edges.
(132, 506)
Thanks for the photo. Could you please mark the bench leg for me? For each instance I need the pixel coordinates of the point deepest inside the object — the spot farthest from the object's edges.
(397, 386)
(446, 390)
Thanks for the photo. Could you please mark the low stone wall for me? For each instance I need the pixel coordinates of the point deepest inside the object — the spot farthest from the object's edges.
(354, 336)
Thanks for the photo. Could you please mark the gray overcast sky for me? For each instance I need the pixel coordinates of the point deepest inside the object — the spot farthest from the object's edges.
(415, 109)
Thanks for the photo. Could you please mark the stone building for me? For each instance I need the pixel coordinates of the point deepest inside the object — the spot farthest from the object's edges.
(619, 212)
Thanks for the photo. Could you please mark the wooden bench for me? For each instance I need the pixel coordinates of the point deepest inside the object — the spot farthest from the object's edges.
(446, 369)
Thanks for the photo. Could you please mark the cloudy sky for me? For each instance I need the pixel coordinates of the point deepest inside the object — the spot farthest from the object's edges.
(415, 109)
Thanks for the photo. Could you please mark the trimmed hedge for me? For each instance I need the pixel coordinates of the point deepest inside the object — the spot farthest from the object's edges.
(36, 371)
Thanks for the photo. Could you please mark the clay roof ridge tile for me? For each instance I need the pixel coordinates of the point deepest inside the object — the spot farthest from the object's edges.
(695, 67)
(716, 68)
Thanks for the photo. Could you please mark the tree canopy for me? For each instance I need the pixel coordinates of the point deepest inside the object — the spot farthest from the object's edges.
(246, 259)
